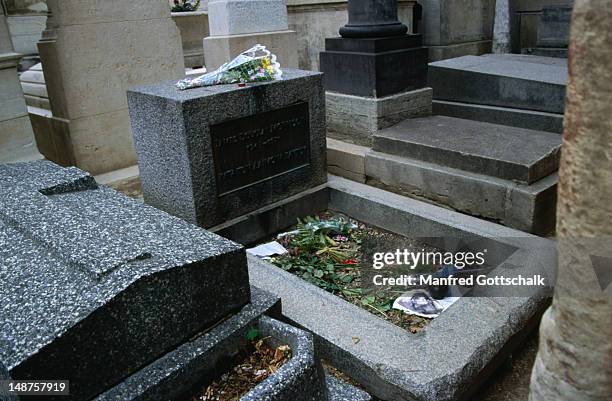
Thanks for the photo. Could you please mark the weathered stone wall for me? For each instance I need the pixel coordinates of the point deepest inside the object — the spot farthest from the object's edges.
(26, 20)
(454, 28)
(315, 20)
(529, 12)
(16, 136)
(194, 27)
(575, 356)
(99, 50)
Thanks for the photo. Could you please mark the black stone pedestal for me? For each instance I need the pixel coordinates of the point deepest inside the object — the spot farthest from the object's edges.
(374, 67)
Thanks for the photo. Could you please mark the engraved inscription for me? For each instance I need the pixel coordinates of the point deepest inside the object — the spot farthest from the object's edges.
(259, 147)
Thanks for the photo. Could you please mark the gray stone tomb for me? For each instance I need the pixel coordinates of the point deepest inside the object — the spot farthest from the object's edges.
(95, 285)
(212, 154)
(128, 303)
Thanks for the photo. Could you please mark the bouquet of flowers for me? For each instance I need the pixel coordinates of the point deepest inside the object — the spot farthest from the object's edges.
(254, 65)
(182, 6)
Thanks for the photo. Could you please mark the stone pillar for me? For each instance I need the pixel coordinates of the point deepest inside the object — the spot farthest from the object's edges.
(574, 361)
(375, 74)
(237, 25)
(16, 137)
(92, 52)
(193, 26)
(502, 29)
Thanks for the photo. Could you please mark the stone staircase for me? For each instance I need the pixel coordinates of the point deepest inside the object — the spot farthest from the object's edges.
(506, 174)
(509, 89)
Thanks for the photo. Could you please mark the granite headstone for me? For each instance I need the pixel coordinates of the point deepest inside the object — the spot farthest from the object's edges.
(215, 153)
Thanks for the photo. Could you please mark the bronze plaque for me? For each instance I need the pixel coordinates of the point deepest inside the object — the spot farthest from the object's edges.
(253, 149)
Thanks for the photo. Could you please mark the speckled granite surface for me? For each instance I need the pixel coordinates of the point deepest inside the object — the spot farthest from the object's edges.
(174, 133)
(95, 285)
(185, 371)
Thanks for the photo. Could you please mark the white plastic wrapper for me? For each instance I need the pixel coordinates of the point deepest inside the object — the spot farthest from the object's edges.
(254, 65)
(266, 251)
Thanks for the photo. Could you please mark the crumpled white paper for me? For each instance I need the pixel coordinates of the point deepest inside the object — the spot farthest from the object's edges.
(420, 303)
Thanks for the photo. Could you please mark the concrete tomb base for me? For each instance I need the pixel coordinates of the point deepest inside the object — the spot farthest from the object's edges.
(358, 118)
(374, 67)
(186, 370)
(373, 82)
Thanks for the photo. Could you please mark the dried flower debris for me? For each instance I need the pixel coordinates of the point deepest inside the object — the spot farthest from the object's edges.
(254, 368)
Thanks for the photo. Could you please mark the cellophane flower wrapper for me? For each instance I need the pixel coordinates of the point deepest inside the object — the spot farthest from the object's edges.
(254, 65)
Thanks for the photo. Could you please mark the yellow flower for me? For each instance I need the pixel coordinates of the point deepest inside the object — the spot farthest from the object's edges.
(266, 62)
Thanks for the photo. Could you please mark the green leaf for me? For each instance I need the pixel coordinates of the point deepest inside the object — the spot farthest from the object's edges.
(252, 334)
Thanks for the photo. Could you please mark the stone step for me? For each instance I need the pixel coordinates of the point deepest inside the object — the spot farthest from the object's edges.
(505, 80)
(530, 119)
(493, 150)
(529, 208)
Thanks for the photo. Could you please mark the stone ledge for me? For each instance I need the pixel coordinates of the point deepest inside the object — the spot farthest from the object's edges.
(188, 14)
(530, 119)
(9, 60)
(346, 160)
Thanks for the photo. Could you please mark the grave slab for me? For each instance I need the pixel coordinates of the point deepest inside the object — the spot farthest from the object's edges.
(215, 153)
(500, 151)
(96, 285)
(504, 80)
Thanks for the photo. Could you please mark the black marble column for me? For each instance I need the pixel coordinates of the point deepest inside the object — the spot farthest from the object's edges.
(374, 57)
(372, 19)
